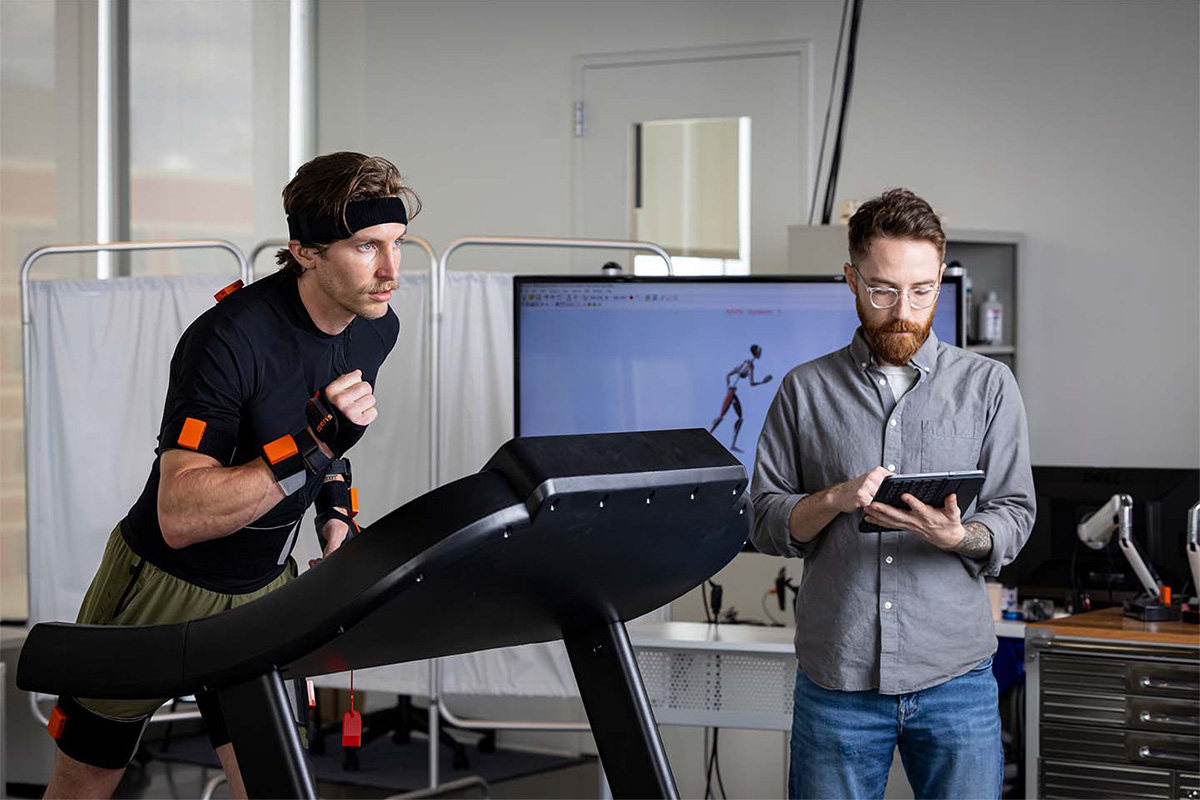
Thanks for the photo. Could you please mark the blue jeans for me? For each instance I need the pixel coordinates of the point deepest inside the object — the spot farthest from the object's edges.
(949, 739)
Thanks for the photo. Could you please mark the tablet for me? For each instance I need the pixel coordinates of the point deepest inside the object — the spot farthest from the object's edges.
(931, 488)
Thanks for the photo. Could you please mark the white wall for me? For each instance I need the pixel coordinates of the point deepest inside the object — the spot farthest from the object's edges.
(1073, 122)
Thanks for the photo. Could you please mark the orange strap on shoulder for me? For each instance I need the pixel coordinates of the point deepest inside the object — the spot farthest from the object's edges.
(228, 290)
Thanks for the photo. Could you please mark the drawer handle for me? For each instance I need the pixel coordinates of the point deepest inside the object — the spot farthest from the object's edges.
(1166, 755)
(1168, 683)
(1167, 719)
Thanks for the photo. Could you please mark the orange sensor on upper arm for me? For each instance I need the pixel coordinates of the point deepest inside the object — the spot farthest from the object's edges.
(192, 433)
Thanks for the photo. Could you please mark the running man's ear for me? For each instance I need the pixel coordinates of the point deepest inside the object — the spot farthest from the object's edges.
(848, 271)
(305, 256)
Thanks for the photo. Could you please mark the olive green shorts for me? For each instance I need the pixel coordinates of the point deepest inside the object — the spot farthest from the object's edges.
(127, 590)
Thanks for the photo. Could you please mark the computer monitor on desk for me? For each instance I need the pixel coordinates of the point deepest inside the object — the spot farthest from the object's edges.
(1055, 564)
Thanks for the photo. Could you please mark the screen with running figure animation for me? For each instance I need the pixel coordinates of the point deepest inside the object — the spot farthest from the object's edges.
(602, 355)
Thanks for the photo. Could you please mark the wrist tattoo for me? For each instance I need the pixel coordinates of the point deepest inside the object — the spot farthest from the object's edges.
(976, 541)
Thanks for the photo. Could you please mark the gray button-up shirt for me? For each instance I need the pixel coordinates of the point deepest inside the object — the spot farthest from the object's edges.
(888, 611)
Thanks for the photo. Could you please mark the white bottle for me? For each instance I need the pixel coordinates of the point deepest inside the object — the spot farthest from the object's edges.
(991, 320)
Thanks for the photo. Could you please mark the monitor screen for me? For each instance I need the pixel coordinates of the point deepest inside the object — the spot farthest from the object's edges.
(601, 355)
(1055, 564)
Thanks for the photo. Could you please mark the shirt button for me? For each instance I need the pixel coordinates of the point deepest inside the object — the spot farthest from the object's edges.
(892, 423)
(864, 365)
(927, 369)
(888, 559)
(891, 467)
(888, 605)
(882, 381)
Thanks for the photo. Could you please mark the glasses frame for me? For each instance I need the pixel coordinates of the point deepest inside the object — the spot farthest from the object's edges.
(895, 294)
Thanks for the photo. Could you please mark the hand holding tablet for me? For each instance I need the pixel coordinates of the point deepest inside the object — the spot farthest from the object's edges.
(931, 488)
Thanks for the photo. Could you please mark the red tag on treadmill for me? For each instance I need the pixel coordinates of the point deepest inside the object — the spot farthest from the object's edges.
(352, 729)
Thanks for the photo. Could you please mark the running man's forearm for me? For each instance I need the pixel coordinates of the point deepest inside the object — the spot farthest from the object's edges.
(200, 501)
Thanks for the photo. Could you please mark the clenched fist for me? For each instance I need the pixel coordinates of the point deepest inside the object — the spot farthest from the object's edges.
(341, 412)
(352, 396)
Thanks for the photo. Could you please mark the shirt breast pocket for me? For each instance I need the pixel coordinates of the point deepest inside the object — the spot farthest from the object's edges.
(950, 444)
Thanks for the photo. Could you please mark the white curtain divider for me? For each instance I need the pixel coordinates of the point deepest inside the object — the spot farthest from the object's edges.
(100, 353)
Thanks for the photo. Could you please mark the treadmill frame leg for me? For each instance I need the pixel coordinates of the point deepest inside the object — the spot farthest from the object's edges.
(266, 742)
(618, 709)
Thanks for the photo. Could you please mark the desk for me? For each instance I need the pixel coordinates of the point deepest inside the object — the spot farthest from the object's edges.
(727, 676)
(1111, 707)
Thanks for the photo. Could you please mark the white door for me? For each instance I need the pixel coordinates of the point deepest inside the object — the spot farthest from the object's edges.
(769, 84)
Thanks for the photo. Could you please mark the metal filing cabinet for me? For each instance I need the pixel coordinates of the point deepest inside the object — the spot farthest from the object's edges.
(1112, 717)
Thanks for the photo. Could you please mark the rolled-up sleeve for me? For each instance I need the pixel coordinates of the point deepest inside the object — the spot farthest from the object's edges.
(778, 484)
(1006, 503)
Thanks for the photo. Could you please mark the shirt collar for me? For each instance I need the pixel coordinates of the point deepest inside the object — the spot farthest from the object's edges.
(924, 359)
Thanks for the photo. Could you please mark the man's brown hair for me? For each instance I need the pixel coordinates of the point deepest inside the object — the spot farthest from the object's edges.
(895, 214)
(326, 184)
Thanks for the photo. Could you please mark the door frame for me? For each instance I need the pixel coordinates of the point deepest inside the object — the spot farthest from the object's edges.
(802, 48)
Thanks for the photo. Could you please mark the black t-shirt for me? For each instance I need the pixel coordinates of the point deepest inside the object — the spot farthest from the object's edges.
(245, 369)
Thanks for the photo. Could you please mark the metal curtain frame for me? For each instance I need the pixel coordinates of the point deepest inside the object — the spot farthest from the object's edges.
(435, 319)
(27, 323)
(437, 706)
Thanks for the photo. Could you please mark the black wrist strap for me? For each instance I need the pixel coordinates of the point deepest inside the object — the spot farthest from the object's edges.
(310, 450)
(333, 513)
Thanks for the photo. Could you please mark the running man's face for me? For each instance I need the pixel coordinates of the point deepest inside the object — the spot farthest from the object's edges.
(359, 274)
(895, 333)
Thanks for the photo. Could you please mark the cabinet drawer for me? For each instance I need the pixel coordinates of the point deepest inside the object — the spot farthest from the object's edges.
(1112, 746)
(1159, 714)
(1069, 672)
(1163, 750)
(1121, 711)
(1165, 680)
(1078, 779)
(1187, 785)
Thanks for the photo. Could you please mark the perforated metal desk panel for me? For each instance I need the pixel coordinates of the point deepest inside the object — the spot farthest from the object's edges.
(731, 676)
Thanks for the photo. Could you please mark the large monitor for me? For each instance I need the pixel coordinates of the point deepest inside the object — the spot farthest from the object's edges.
(601, 355)
(1054, 564)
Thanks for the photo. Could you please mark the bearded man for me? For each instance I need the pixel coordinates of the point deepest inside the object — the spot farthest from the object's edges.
(894, 632)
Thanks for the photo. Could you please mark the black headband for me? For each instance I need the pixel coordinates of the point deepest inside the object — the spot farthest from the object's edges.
(314, 228)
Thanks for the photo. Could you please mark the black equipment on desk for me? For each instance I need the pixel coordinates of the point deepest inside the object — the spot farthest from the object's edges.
(1055, 564)
(562, 537)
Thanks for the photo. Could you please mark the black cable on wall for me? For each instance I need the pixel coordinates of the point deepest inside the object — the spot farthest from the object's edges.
(836, 161)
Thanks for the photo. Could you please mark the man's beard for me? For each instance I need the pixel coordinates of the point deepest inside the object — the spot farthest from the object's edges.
(888, 347)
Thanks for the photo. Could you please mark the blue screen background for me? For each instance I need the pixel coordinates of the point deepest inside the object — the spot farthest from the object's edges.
(648, 356)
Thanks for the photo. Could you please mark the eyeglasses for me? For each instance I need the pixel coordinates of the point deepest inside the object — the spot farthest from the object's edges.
(919, 298)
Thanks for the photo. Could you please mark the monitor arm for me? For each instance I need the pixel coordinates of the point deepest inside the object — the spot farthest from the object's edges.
(1193, 546)
(1117, 515)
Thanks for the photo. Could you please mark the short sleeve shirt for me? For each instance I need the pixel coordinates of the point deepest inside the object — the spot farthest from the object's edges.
(240, 378)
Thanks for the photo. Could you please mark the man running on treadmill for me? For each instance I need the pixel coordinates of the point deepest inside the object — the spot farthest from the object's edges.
(268, 390)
